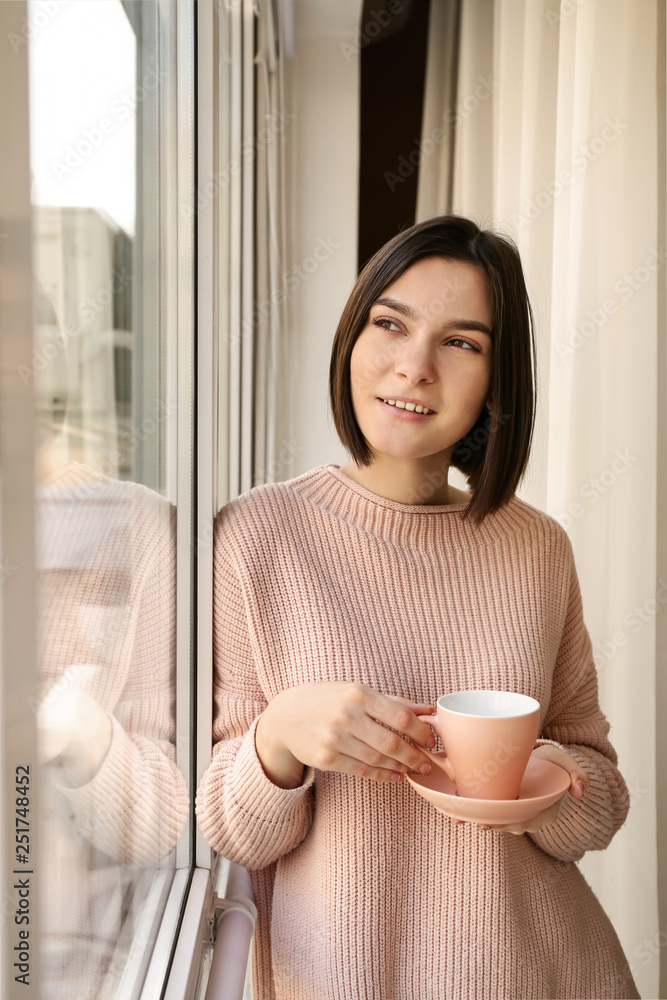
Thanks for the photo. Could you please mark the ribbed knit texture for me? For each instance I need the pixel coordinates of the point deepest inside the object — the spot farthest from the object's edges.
(364, 890)
(107, 561)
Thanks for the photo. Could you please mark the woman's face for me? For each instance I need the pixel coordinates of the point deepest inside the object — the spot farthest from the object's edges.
(427, 339)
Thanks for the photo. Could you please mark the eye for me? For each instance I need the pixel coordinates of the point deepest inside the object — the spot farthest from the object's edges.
(385, 323)
(464, 344)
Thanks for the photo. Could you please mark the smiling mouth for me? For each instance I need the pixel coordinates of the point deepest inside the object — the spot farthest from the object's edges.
(410, 407)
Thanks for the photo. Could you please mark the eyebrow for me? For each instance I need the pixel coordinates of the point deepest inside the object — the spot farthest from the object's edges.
(454, 324)
(399, 307)
(468, 324)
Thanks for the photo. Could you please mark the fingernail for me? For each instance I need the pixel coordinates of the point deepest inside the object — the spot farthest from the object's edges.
(580, 786)
(430, 742)
(425, 768)
(396, 776)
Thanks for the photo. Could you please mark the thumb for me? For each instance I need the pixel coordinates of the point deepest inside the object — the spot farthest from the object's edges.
(579, 778)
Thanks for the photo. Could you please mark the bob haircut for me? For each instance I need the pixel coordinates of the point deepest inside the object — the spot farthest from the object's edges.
(494, 453)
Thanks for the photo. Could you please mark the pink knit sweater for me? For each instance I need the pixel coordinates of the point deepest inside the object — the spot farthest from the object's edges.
(364, 891)
(107, 561)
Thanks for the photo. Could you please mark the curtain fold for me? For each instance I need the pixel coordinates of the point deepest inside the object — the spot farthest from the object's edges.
(439, 112)
(562, 155)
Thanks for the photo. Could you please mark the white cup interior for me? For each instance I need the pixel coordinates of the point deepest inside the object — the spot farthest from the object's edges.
(488, 704)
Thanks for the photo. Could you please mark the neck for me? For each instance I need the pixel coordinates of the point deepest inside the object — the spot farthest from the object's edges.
(411, 482)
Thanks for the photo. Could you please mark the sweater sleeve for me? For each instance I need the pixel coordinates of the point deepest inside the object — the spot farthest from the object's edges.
(136, 804)
(574, 722)
(242, 813)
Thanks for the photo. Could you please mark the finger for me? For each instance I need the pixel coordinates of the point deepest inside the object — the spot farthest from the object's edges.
(517, 829)
(534, 825)
(358, 767)
(578, 775)
(353, 732)
(393, 713)
(373, 747)
(577, 787)
(385, 743)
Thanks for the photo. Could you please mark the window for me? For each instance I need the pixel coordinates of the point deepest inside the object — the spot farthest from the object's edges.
(111, 110)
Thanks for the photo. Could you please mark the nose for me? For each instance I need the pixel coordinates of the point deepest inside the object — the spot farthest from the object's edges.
(416, 362)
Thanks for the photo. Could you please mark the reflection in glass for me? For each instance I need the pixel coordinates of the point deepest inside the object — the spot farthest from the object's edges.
(114, 800)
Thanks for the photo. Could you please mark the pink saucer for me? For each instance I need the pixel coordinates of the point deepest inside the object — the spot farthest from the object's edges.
(543, 784)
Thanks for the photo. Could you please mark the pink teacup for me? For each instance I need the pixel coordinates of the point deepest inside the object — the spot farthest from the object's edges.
(488, 737)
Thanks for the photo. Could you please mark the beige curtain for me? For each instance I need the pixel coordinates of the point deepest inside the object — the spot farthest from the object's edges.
(556, 144)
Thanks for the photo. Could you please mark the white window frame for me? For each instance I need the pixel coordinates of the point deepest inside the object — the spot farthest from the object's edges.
(171, 893)
(185, 904)
(220, 907)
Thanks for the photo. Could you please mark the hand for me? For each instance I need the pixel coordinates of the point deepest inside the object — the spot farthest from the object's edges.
(337, 726)
(579, 782)
(74, 733)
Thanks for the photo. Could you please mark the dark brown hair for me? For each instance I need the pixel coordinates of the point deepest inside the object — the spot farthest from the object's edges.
(494, 453)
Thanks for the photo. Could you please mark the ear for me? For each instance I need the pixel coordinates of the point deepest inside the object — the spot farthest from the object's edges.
(489, 403)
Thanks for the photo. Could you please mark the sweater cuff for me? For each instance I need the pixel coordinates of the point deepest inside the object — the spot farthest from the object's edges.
(273, 802)
(107, 790)
(569, 837)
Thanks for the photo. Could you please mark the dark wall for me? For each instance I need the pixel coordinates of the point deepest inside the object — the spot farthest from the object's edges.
(393, 63)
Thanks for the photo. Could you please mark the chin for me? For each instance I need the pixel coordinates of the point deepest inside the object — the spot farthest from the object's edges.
(409, 454)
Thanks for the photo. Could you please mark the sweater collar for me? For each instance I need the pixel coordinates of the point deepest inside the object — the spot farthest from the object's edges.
(407, 508)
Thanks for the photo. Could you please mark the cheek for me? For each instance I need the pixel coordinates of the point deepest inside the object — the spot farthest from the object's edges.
(472, 385)
(367, 364)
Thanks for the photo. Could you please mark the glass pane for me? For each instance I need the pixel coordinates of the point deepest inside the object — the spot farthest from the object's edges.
(115, 800)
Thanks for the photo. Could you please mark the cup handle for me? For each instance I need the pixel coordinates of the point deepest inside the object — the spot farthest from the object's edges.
(443, 762)
(432, 721)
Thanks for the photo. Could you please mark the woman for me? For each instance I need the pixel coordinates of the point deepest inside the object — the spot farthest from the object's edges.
(347, 600)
